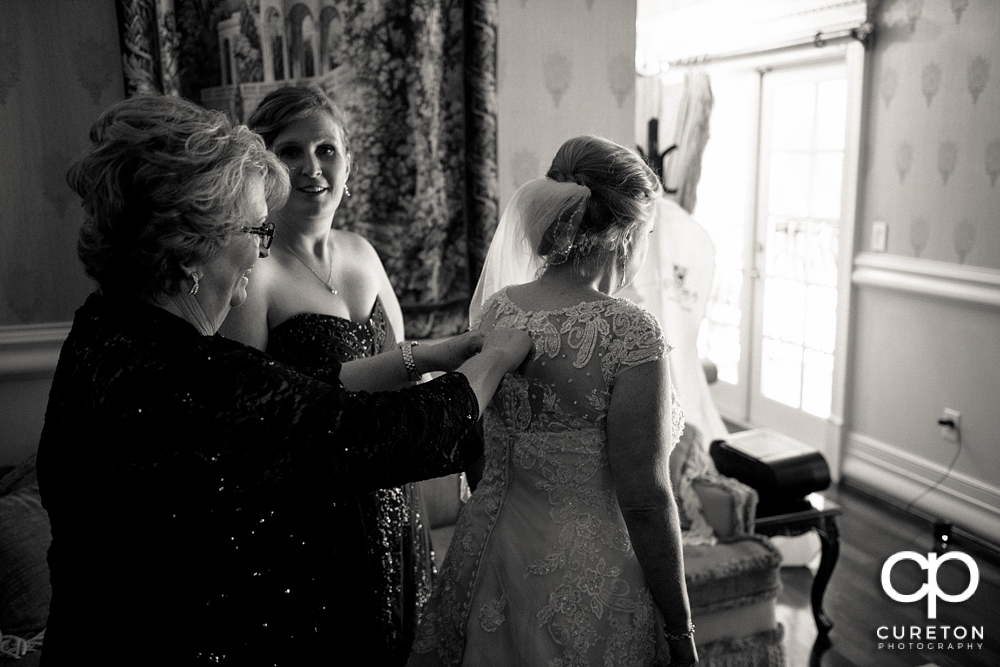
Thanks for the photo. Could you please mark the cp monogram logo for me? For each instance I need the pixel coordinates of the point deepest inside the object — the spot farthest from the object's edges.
(930, 589)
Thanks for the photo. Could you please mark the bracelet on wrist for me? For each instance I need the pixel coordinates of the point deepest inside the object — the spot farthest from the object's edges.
(672, 637)
(406, 347)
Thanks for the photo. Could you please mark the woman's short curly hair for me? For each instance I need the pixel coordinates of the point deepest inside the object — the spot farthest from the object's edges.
(282, 107)
(165, 184)
(623, 190)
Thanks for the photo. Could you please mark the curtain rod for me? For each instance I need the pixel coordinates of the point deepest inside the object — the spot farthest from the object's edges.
(860, 33)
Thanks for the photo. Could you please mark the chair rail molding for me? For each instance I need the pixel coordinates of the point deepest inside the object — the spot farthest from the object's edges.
(976, 286)
(893, 473)
(31, 350)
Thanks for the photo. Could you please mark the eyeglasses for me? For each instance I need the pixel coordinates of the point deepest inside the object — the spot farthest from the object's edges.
(265, 232)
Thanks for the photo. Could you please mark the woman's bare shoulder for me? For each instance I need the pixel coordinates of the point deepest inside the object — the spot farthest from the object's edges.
(356, 259)
(352, 243)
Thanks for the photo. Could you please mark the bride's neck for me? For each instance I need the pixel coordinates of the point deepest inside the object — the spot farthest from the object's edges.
(569, 278)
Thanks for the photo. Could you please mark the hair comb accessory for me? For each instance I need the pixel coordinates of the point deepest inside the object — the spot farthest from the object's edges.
(538, 228)
(513, 257)
(560, 237)
(624, 265)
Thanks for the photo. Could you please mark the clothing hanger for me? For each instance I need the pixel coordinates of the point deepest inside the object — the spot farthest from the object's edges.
(653, 156)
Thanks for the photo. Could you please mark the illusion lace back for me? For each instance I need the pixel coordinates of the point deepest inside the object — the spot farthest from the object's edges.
(541, 570)
(398, 542)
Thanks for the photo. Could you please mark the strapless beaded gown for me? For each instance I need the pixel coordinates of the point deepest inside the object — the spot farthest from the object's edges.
(398, 541)
(541, 570)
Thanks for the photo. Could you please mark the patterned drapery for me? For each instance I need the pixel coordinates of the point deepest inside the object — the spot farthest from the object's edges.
(417, 79)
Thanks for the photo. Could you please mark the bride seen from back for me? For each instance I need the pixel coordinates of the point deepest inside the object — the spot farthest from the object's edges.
(569, 550)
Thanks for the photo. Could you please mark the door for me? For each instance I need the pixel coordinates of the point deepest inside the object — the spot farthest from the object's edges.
(795, 274)
(772, 195)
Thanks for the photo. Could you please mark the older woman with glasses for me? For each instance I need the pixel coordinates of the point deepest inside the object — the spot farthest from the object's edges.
(200, 492)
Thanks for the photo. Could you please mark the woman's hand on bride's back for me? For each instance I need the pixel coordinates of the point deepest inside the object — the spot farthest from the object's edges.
(449, 354)
(511, 345)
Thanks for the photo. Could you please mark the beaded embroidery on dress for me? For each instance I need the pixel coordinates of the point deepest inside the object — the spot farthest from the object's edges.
(541, 570)
(398, 541)
(231, 535)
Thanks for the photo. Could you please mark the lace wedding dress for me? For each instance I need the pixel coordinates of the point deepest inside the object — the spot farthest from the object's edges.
(541, 570)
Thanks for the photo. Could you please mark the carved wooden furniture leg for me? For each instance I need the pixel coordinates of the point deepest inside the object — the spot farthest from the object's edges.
(830, 540)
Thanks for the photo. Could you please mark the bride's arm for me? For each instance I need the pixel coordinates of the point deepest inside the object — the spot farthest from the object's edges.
(639, 442)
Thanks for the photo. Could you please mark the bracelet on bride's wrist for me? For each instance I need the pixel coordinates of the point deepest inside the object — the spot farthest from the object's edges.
(671, 637)
(406, 347)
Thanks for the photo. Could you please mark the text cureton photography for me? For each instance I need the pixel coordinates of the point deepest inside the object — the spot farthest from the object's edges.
(939, 636)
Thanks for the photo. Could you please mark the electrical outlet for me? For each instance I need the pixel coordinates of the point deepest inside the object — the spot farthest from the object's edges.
(942, 536)
(880, 230)
(950, 423)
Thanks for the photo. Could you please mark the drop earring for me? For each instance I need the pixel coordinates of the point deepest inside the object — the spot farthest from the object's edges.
(346, 190)
(194, 287)
(624, 266)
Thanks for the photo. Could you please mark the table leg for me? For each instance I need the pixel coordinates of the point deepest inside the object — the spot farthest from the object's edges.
(829, 537)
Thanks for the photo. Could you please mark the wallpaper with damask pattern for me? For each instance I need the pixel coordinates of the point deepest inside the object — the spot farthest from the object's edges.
(564, 68)
(933, 153)
(417, 78)
(60, 67)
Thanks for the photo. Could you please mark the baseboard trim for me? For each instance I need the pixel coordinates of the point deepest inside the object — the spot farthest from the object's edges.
(31, 350)
(968, 503)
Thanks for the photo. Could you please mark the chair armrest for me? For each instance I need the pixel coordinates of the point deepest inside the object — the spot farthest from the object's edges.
(728, 505)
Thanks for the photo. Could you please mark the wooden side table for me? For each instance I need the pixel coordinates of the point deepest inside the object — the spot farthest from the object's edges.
(814, 512)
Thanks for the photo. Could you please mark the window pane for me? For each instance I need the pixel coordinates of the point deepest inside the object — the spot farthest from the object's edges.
(820, 318)
(781, 372)
(789, 184)
(784, 310)
(827, 174)
(831, 114)
(783, 258)
(793, 115)
(821, 253)
(817, 383)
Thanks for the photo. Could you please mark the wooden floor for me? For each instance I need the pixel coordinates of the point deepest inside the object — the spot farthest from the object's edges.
(870, 532)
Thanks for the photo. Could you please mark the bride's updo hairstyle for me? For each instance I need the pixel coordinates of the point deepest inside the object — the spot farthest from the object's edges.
(583, 214)
(623, 190)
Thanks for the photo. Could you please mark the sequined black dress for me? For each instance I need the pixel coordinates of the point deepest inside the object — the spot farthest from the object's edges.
(192, 485)
(398, 542)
